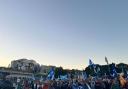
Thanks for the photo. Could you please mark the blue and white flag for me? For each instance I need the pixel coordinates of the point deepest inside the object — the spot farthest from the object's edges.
(63, 77)
(51, 74)
(90, 62)
(114, 72)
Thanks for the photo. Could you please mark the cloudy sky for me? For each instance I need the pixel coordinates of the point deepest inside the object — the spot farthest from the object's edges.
(64, 32)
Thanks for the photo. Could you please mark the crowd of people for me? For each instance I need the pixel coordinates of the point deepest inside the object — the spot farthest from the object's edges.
(89, 83)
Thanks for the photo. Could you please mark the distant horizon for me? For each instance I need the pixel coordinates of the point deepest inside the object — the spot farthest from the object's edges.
(62, 66)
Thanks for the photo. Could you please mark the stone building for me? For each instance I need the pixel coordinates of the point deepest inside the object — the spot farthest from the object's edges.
(24, 65)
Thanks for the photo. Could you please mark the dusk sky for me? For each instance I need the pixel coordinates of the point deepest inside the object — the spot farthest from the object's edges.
(64, 33)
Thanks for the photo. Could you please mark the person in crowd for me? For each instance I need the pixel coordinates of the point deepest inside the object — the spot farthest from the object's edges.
(46, 85)
(107, 83)
(94, 83)
(26, 85)
(126, 85)
(115, 84)
(99, 84)
(32, 85)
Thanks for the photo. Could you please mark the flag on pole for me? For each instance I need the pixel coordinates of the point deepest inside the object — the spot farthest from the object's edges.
(90, 62)
(106, 60)
(114, 72)
(51, 74)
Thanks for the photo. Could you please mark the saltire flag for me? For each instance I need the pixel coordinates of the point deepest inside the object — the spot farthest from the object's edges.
(63, 77)
(114, 72)
(92, 64)
(51, 74)
(106, 60)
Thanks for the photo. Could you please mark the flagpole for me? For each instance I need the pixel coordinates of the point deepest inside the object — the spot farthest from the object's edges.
(109, 69)
(92, 65)
(107, 64)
